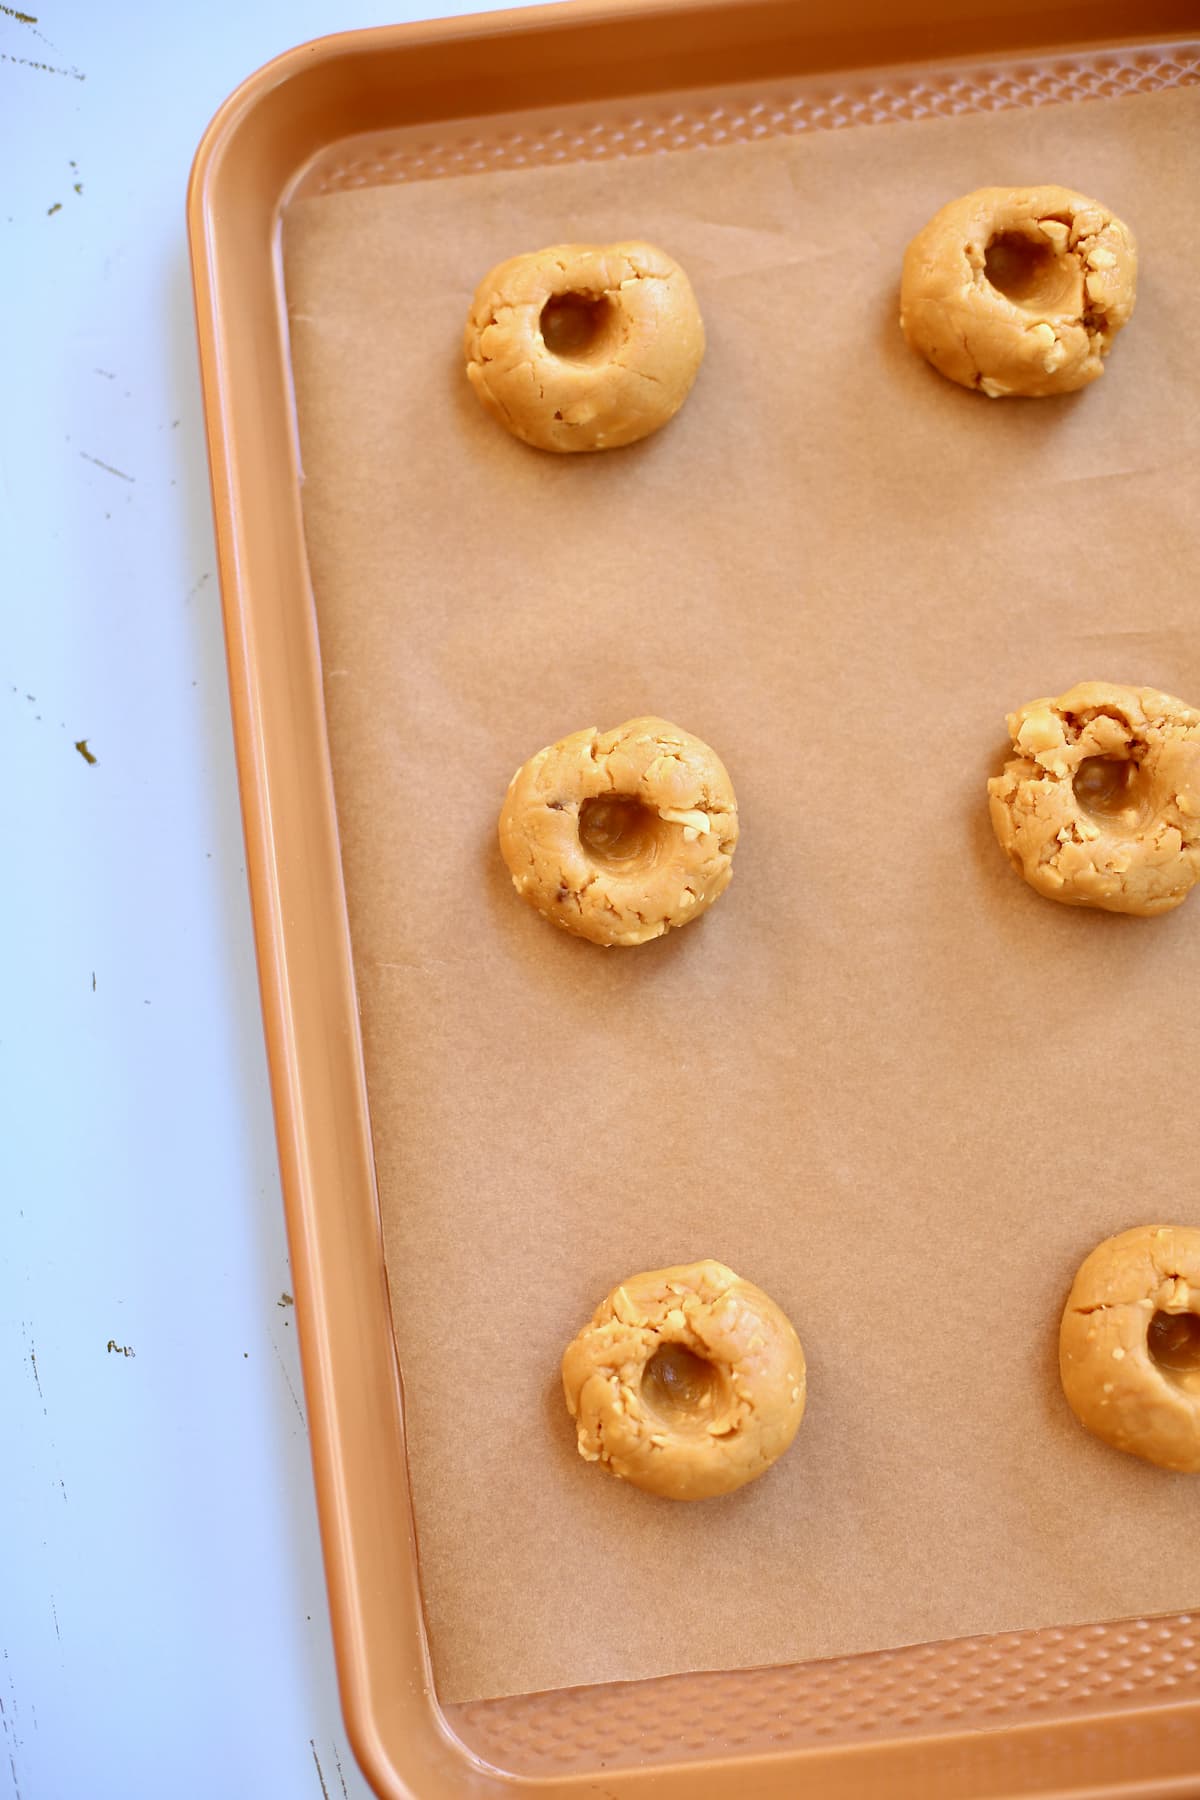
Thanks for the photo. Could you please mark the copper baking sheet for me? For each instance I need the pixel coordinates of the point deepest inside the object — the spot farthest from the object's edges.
(822, 1081)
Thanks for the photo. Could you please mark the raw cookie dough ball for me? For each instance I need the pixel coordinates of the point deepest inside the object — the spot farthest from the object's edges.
(688, 1382)
(619, 835)
(1019, 290)
(1129, 1344)
(1101, 804)
(584, 346)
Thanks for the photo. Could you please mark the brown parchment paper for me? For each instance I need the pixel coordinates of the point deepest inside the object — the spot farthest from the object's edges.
(881, 1078)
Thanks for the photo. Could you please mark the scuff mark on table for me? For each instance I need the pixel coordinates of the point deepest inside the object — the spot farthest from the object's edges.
(320, 1776)
(29, 20)
(115, 1349)
(290, 1388)
(31, 1353)
(108, 467)
(9, 1721)
(47, 68)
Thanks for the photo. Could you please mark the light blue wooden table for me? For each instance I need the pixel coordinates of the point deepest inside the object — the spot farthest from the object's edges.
(163, 1627)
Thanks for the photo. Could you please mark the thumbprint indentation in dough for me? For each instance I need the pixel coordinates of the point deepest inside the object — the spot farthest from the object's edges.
(578, 327)
(681, 1388)
(617, 831)
(1113, 790)
(1030, 274)
(1173, 1340)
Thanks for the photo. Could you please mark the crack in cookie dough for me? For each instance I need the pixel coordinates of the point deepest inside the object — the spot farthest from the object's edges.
(1100, 806)
(1129, 1344)
(584, 346)
(1019, 290)
(617, 836)
(688, 1382)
